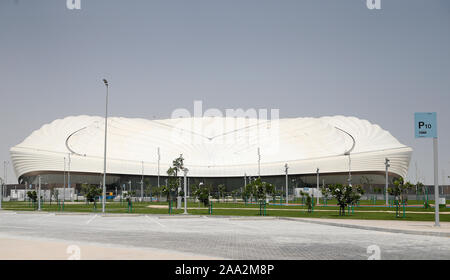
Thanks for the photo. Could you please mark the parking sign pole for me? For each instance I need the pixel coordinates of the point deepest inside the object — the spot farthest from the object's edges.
(436, 183)
(426, 127)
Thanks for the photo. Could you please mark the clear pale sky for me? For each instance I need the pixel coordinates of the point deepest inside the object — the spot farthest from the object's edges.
(308, 58)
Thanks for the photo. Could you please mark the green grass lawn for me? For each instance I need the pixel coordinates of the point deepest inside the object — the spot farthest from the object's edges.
(249, 210)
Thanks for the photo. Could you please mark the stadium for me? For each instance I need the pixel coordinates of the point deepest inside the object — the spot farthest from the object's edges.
(216, 150)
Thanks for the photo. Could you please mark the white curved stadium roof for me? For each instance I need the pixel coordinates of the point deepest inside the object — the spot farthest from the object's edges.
(212, 146)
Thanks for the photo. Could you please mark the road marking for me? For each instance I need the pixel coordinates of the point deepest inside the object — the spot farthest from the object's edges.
(91, 219)
(155, 221)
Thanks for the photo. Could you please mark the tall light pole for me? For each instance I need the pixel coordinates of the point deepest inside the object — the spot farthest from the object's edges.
(5, 176)
(259, 163)
(39, 194)
(68, 175)
(286, 167)
(318, 186)
(245, 180)
(142, 183)
(159, 159)
(386, 163)
(185, 189)
(104, 156)
(64, 186)
(1, 192)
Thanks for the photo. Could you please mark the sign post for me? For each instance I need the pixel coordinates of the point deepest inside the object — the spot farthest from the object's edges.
(426, 127)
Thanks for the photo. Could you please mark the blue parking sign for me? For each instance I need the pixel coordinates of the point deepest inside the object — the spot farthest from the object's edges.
(425, 125)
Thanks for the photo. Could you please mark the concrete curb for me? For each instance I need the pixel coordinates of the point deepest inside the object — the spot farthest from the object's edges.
(415, 232)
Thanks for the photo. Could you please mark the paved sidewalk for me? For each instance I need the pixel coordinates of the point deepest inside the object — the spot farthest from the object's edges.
(47, 236)
(21, 248)
(409, 227)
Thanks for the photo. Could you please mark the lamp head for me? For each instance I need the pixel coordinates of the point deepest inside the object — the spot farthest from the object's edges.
(105, 82)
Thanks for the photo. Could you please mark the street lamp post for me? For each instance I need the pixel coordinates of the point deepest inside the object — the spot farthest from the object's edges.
(1, 192)
(68, 176)
(318, 186)
(386, 163)
(185, 189)
(39, 194)
(259, 163)
(142, 183)
(64, 186)
(159, 159)
(104, 156)
(286, 167)
(349, 170)
(5, 177)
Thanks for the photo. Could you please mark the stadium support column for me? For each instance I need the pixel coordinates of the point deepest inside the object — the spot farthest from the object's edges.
(386, 162)
(286, 167)
(104, 155)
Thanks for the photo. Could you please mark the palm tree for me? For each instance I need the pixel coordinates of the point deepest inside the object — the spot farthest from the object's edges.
(221, 189)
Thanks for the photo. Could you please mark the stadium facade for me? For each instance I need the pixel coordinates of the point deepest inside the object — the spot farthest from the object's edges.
(216, 151)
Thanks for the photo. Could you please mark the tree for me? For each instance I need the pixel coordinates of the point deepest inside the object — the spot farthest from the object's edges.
(221, 189)
(129, 195)
(235, 194)
(202, 194)
(326, 193)
(400, 190)
(308, 200)
(32, 195)
(345, 195)
(367, 181)
(173, 183)
(148, 191)
(270, 190)
(259, 189)
(91, 193)
(148, 188)
(54, 192)
(248, 192)
(420, 188)
(195, 193)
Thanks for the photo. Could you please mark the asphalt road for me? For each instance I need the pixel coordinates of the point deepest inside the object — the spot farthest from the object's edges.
(229, 238)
